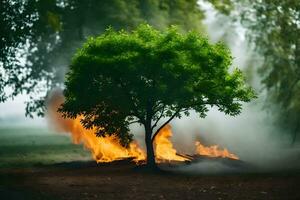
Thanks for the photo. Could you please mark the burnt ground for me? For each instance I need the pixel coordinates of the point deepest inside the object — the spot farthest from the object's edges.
(124, 180)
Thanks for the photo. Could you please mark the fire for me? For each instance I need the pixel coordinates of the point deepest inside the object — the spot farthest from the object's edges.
(108, 148)
(213, 151)
(164, 148)
(104, 149)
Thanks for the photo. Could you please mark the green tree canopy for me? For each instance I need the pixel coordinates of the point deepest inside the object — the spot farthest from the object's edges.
(39, 37)
(147, 76)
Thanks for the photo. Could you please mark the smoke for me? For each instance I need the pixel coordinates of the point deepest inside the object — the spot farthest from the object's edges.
(54, 119)
(253, 136)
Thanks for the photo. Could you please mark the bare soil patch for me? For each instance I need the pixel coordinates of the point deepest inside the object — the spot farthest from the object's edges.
(124, 180)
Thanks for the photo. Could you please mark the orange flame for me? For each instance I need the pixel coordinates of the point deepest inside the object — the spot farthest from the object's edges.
(164, 148)
(213, 151)
(104, 149)
(108, 148)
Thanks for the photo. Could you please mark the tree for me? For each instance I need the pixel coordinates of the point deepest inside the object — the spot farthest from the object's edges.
(38, 38)
(274, 29)
(147, 76)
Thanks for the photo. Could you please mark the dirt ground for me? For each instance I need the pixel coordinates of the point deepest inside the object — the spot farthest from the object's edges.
(123, 180)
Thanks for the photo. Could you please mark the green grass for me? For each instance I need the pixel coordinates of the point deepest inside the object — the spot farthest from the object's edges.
(26, 147)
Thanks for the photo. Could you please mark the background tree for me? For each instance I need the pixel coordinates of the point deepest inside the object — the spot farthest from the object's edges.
(39, 37)
(274, 29)
(147, 76)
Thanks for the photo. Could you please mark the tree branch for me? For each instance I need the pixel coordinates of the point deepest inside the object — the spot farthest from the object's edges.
(159, 118)
(170, 119)
(157, 105)
(173, 116)
(136, 121)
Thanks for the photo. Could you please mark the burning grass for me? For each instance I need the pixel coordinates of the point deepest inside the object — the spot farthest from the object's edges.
(108, 148)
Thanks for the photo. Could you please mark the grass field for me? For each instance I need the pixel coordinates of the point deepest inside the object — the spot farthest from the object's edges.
(27, 147)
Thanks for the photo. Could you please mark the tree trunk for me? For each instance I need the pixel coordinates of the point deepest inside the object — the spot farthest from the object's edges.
(150, 150)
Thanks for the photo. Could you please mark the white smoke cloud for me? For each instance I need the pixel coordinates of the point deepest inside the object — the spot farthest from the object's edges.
(253, 136)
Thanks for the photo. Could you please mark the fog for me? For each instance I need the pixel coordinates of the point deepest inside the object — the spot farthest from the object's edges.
(253, 136)
(12, 113)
